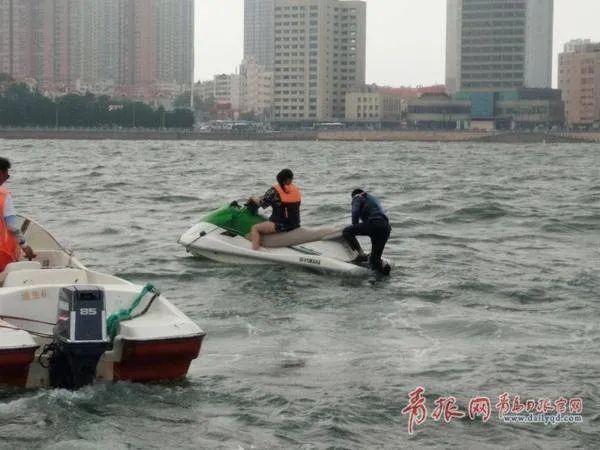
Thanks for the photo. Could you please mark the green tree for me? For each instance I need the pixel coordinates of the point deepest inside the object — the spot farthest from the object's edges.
(5, 78)
(17, 102)
(180, 118)
(22, 106)
(183, 101)
(250, 116)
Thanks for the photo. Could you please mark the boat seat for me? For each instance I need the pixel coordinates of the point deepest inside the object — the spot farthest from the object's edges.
(19, 265)
(27, 277)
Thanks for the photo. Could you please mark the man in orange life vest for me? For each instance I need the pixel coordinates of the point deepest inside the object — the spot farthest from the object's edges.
(285, 198)
(11, 237)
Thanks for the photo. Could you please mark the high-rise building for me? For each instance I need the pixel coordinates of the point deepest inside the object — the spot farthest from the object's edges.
(579, 81)
(100, 41)
(16, 38)
(175, 41)
(63, 44)
(59, 62)
(259, 31)
(138, 53)
(497, 45)
(319, 56)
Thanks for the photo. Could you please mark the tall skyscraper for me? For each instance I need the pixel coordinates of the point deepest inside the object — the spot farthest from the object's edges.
(16, 38)
(96, 41)
(61, 36)
(107, 28)
(319, 56)
(579, 81)
(499, 45)
(138, 43)
(175, 41)
(259, 31)
(135, 44)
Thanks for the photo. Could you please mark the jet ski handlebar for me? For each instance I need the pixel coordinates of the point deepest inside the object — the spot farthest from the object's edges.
(249, 205)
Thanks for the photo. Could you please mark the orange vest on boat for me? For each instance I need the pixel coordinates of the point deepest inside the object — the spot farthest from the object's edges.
(8, 243)
(290, 203)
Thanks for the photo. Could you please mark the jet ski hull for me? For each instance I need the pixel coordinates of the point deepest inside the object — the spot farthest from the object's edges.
(330, 255)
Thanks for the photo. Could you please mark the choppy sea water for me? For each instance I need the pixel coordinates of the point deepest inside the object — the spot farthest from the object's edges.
(495, 290)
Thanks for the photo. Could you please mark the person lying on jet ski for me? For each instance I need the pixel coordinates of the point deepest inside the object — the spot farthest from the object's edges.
(368, 219)
(285, 198)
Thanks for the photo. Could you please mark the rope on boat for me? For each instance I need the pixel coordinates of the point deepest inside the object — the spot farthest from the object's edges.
(113, 322)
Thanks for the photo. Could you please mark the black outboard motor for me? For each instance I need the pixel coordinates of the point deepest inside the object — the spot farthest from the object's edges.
(79, 336)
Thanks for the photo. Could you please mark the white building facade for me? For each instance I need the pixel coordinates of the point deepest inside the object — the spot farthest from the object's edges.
(319, 57)
(256, 88)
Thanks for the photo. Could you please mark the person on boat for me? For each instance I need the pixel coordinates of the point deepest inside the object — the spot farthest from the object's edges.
(369, 218)
(285, 198)
(12, 240)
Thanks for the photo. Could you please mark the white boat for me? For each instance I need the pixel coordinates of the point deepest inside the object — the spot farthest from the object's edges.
(223, 236)
(54, 324)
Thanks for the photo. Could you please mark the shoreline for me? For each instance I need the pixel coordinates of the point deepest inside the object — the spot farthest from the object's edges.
(342, 136)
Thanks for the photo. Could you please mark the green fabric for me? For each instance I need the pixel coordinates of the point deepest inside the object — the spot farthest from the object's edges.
(234, 219)
(112, 324)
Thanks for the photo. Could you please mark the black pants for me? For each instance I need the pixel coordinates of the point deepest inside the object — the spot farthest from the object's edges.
(379, 232)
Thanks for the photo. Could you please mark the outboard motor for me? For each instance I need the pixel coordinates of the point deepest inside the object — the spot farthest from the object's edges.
(79, 336)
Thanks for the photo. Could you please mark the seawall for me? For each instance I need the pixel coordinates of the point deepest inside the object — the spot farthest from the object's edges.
(340, 135)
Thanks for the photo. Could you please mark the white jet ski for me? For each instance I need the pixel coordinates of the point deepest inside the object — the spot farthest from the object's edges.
(223, 236)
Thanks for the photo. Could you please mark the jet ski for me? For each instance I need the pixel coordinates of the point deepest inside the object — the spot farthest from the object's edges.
(223, 236)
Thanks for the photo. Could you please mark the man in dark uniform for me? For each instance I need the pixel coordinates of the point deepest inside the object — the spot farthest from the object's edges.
(368, 219)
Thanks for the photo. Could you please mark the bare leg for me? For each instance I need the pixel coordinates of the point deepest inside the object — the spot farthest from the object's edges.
(258, 229)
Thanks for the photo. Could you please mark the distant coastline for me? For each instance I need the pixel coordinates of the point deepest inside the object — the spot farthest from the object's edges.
(338, 135)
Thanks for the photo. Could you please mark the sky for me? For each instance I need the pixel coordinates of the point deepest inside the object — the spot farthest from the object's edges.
(405, 38)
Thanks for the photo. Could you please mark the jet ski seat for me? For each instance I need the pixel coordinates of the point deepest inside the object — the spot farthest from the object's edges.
(300, 236)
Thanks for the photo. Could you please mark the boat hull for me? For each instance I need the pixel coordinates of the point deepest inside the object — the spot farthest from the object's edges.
(141, 361)
(156, 360)
(14, 366)
(155, 342)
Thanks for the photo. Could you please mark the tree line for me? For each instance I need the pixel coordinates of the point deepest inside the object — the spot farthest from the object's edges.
(21, 106)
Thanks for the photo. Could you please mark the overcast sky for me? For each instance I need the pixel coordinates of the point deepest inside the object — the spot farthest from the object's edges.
(405, 38)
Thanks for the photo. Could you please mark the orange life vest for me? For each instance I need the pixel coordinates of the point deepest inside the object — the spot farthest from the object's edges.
(290, 202)
(8, 243)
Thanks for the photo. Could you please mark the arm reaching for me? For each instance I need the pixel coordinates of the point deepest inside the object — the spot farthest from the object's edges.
(13, 225)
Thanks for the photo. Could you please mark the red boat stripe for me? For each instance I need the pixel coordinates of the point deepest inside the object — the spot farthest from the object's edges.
(157, 360)
(14, 366)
